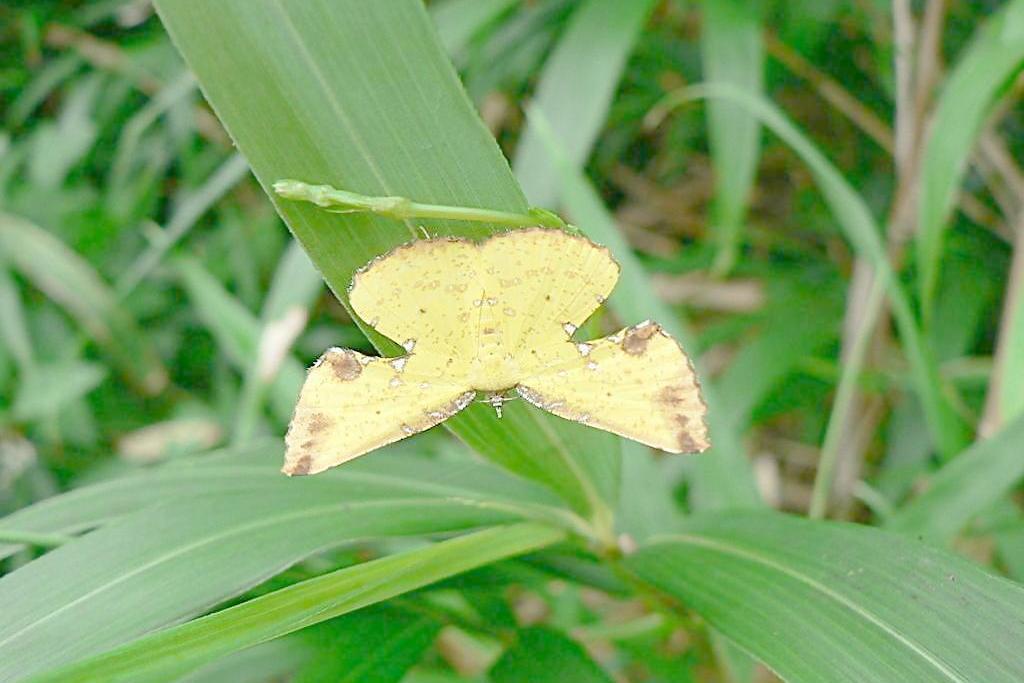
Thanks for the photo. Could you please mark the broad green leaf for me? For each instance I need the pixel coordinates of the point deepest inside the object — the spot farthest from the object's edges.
(576, 89)
(543, 655)
(966, 486)
(824, 601)
(51, 386)
(723, 475)
(731, 52)
(167, 654)
(991, 60)
(198, 551)
(859, 226)
(71, 282)
(369, 646)
(367, 101)
(254, 469)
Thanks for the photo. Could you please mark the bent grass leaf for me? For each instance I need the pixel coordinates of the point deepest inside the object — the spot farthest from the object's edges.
(165, 655)
(824, 601)
(995, 54)
(855, 219)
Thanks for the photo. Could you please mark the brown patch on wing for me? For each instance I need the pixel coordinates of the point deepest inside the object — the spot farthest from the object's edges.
(635, 341)
(301, 466)
(317, 423)
(345, 366)
(672, 395)
(687, 442)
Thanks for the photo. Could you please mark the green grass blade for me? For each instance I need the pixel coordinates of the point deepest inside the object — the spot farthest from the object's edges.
(857, 223)
(576, 89)
(168, 654)
(72, 283)
(965, 487)
(458, 21)
(993, 57)
(184, 218)
(237, 332)
(821, 601)
(198, 551)
(14, 333)
(732, 52)
(364, 99)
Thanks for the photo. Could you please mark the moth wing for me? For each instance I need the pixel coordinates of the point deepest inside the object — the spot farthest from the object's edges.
(544, 283)
(351, 404)
(637, 383)
(424, 292)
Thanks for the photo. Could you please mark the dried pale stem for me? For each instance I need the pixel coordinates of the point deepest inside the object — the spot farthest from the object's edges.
(846, 394)
(995, 415)
(867, 121)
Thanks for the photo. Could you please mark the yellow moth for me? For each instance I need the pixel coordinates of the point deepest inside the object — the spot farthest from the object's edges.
(487, 318)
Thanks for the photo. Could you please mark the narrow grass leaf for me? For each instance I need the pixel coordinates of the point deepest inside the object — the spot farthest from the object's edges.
(821, 601)
(966, 486)
(318, 75)
(186, 214)
(980, 75)
(576, 88)
(167, 654)
(732, 52)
